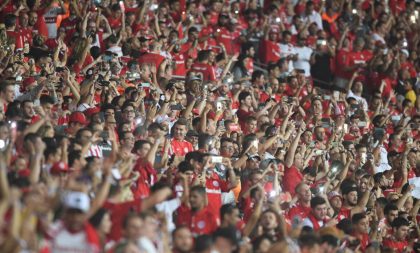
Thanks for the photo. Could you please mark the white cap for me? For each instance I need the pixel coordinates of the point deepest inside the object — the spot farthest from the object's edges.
(77, 200)
(405, 51)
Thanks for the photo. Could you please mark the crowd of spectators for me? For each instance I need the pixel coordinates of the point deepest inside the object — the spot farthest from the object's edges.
(146, 126)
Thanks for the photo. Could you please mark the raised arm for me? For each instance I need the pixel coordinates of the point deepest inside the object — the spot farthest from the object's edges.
(292, 150)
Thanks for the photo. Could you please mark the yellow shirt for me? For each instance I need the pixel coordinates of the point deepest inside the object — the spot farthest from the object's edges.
(411, 95)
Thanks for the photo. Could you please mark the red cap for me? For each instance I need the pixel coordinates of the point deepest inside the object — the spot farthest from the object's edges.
(78, 117)
(92, 111)
(59, 167)
(349, 137)
(28, 81)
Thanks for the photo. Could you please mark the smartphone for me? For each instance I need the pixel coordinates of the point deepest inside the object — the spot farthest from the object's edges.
(255, 143)
(107, 57)
(216, 159)
(145, 85)
(396, 118)
(327, 97)
(219, 106)
(296, 222)
(122, 7)
(336, 95)
(116, 174)
(319, 152)
(312, 144)
(362, 124)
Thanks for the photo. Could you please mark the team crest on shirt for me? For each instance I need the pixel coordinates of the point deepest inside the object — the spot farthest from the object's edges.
(215, 183)
(201, 224)
(186, 150)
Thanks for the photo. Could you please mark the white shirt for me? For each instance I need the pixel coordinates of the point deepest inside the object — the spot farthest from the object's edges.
(358, 99)
(169, 207)
(304, 55)
(383, 161)
(286, 50)
(308, 223)
(63, 241)
(314, 17)
(376, 37)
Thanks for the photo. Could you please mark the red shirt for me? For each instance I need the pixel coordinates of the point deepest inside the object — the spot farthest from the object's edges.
(364, 241)
(299, 210)
(118, 212)
(18, 38)
(147, 178)
(69, 26)
(292, 177)
(114, 22)
(206, 70)
(342, 59)
(185, 48)
(26, 34)
(399, 246)
(225, 37)
(180, 148)
(200, 222)
(344, 213)
(356, 58)
(242, 116)
(270, 51)
(179, 60)
(214, 188)
(151, 58)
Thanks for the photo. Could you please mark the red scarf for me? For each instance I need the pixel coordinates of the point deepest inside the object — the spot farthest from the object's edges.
(314, 221)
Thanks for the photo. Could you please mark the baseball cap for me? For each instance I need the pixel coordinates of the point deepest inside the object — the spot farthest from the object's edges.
(78, 117)
(77, 200)
(349, 188)
(59, 167)
(92, 111)
(194, 78)
(255, 157)
(333, 194)
(27, 82)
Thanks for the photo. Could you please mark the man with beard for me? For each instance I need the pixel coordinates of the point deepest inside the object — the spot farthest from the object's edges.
(28, 111)
(89, 29)
(189, 48)
(302, 207)
(196, 214)
(350, 199)
(317, 218)
(179, 59)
